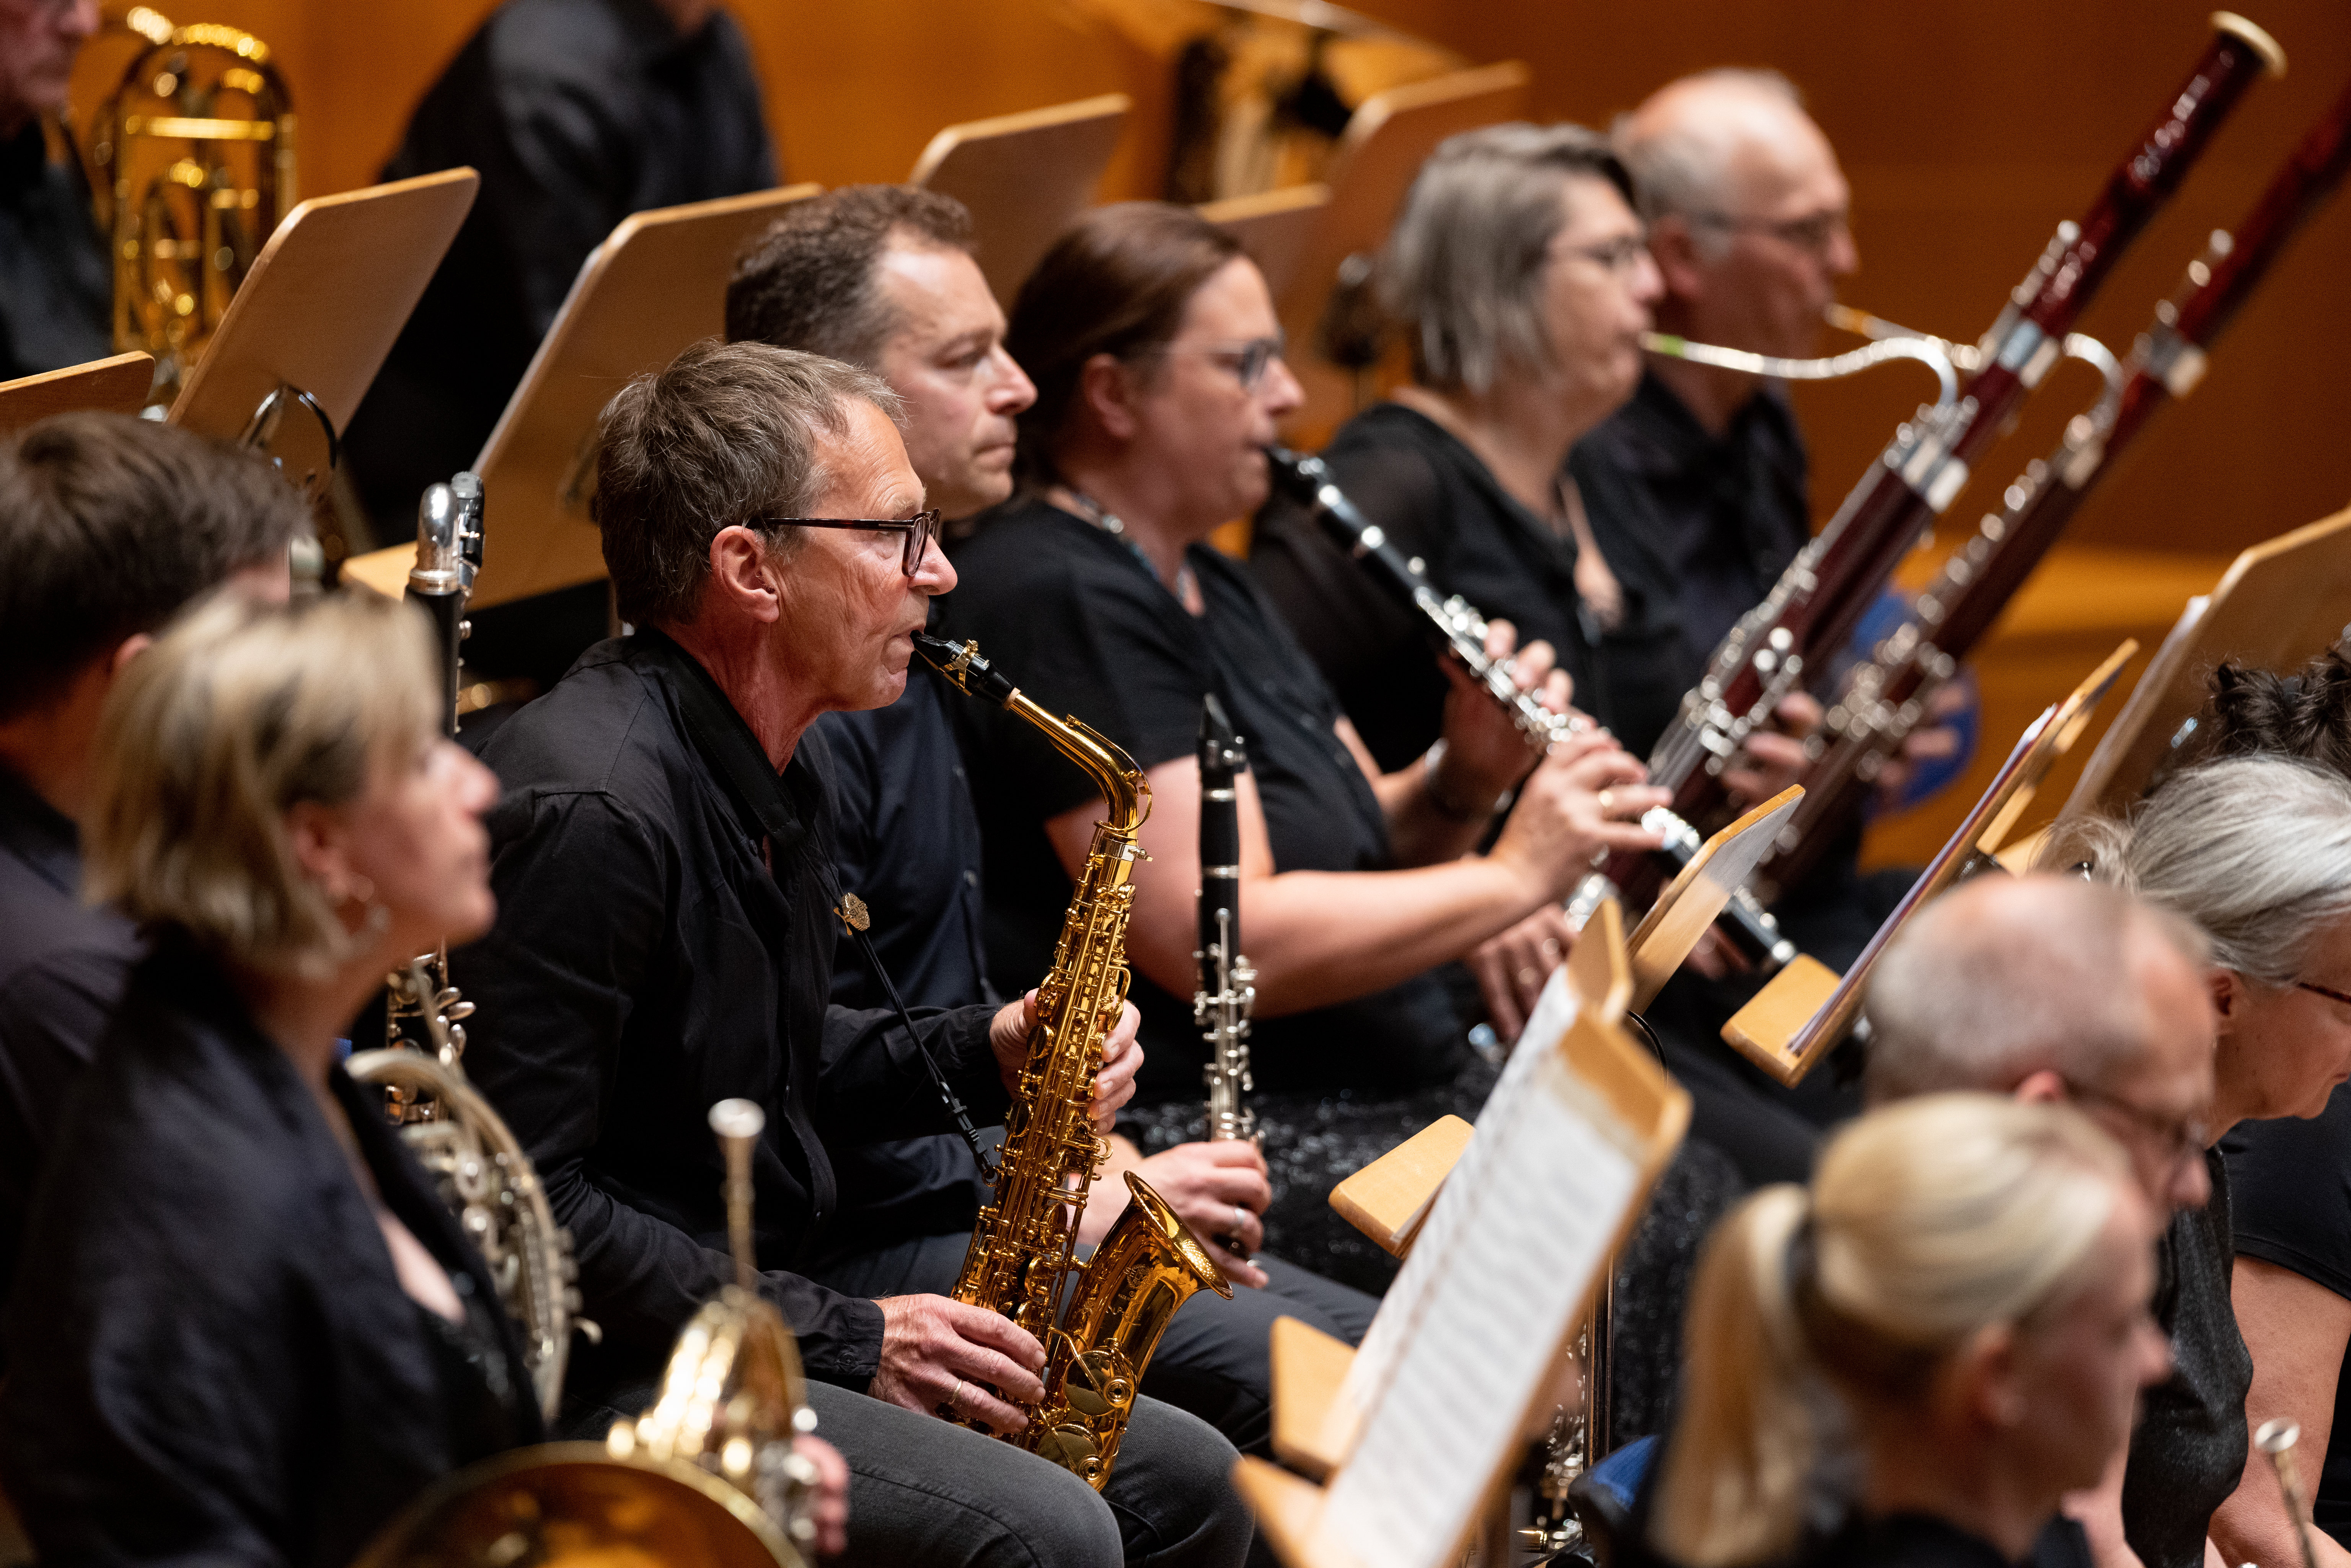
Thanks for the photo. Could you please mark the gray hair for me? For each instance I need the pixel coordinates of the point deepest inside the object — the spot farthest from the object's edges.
(1464, 265)
(725, 435)
(2256, 851)
(1684, 167)
(2001, 979)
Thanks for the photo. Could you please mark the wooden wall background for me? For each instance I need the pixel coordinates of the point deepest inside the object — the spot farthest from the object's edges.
(1968, 134)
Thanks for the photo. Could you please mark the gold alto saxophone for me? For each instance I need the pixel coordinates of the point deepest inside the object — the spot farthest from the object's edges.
(1022, 1258)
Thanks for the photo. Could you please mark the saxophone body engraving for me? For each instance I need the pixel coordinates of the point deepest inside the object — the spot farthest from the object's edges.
(1099, 1320)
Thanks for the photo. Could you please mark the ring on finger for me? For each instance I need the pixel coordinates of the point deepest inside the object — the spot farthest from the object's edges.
(1607, 798)
(1530, 975)
(1240, 1221)
(955, 1395)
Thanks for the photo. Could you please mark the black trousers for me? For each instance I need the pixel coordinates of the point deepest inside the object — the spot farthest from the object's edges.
(924, 1490)
(1214, 1359)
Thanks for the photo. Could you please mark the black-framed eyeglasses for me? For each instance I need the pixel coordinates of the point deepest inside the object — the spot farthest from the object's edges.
(920, 530)
(1247, 361)
(2329, 992)
(1619, 255)
(1814, 232)
(2181, 1138)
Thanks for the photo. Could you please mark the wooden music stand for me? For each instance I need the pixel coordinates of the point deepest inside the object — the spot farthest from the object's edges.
(1386, 141)
(115, 385)
(1798, 1019)
(1388, 1198)
(1273, 226)
(2279, 603)
(1410, 1439)
(324, 301)
(655, 284)
(1025, 177)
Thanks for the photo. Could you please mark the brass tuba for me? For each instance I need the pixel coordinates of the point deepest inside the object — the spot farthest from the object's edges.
(191, 160)
(733, 1396)
(1022, 1256)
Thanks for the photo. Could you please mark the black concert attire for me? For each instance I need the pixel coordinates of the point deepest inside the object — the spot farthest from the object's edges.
(909, 844)
(57, 289)
(62, 969)
(2290, 1202)
(1074, 616)
(576, 114)
(212, 1357)
(664, 940)
(1900, 1540)
(2187, 1451)
(1435, 499)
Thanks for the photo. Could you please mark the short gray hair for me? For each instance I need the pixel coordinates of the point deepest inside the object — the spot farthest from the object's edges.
(725, 434)
(1464, 265)
(1683, 169)
(2001, 979)
(2256, 851)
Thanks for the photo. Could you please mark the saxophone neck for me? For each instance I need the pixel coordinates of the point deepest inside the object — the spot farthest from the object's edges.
(1113, 772)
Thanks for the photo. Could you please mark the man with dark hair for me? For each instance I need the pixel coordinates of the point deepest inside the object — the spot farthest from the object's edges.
(576, 114)
(665, 874)
(108, 526)
(883, 275)
(55, 286)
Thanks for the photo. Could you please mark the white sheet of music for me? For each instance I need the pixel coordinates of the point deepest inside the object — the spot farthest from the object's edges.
(1486, 1298)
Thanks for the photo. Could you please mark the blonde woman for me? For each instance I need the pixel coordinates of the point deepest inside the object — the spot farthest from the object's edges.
(1910, 1361)
(246, 1328)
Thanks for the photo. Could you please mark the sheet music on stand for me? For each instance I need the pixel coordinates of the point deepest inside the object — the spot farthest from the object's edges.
(1465, 1341)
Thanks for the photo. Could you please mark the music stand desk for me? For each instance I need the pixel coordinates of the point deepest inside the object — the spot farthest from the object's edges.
(657, 284)
(115, 385)
(2279, 603)
(325, 301)
(1024, 178)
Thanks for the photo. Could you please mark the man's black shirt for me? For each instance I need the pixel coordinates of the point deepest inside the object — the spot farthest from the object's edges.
(55, 290)
(907, 841)
(576, 114)
(1696, 529)
(646, 964)
(62, 969)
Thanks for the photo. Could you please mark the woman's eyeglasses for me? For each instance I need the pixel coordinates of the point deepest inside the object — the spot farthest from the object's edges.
(1247, 361)
(920, 530)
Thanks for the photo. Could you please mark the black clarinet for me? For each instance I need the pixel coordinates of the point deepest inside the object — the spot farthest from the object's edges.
(1459, 632)
(1227, 984)
(448, 554)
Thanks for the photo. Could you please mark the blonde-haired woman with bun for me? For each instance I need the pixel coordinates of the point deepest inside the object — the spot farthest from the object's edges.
(1909, 1361)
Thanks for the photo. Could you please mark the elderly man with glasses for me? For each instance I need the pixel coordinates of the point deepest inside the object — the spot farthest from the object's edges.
(664, 870)
(2050, 988)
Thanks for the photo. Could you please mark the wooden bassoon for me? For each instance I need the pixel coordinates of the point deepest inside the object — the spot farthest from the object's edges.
(1814, 609)
(1886, 698)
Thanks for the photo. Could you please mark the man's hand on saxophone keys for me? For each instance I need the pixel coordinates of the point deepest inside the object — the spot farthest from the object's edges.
(1008, 1036)
(941, 1357)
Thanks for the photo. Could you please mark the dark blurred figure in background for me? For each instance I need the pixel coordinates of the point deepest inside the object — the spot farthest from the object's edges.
(54, 293)
(577, 113)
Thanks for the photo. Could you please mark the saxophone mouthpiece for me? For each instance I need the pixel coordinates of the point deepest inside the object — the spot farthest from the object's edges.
(963, 668)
